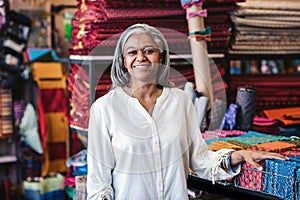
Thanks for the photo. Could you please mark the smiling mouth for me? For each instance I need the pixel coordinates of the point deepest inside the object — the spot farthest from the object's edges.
(141, 66)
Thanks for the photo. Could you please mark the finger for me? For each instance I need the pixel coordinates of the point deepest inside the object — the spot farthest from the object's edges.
(276, 156)
(255, 165)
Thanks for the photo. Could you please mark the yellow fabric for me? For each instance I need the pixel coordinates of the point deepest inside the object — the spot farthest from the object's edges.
(57, 131)
(57, 127)
(48, 75)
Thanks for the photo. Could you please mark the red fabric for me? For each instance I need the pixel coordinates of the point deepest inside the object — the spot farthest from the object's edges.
(57, 150)
(54, 100)
(42, 122)
(251, 178)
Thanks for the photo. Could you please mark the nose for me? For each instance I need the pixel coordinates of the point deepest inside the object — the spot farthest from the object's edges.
(141, 56)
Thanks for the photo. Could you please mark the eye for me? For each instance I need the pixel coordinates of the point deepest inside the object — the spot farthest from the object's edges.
(149, 51)
(132, 52)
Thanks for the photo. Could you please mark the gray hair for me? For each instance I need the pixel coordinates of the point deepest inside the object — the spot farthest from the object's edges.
(119, 73)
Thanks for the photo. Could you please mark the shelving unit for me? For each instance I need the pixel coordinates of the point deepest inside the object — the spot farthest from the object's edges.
(274, 90)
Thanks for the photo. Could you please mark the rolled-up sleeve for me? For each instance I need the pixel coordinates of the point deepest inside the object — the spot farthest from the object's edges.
(100, 156)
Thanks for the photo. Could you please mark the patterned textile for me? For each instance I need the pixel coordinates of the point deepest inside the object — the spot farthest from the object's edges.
(277, 146)
(6, 123)
(78, 88)
(216, 114)
(280, 178)
(251, 178)
(44, 188)
(263, 27)
(32, 162)
(217, 145)
(52, 84)
(253, 140)
(96, 21)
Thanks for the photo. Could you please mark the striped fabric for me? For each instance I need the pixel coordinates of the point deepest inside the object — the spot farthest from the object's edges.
(6, 124)
(53, 108)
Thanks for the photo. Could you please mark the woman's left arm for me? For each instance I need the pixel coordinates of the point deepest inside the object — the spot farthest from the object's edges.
(253, 157)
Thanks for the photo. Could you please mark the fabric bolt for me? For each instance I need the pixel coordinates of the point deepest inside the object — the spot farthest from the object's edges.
(229, 120)
(216, 114)
(127, 154)
(201, 105)
(246, 102)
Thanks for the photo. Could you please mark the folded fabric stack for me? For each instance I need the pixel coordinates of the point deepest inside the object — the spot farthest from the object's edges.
(78, 87)
(266, 27)
(218, 19)
(6, 123)
(279, 178)
(98, 23)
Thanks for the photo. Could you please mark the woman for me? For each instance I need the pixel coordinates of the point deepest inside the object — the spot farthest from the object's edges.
(143, 134)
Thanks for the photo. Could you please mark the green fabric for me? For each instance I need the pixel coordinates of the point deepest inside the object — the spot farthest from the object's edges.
(69, 191)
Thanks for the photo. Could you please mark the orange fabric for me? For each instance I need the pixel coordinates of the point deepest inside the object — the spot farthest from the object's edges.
(281, 113)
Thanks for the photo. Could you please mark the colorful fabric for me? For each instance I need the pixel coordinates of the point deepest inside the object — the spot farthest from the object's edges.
(276, 146)
(280, 178)
(251, 178)
(44, 188)
(53, 115)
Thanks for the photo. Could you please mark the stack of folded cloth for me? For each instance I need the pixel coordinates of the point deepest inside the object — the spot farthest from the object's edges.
(99, 22)
(265, 125)
(6, 114)
(96, 22)
(78, 87)
(218, 19)
(266, 27)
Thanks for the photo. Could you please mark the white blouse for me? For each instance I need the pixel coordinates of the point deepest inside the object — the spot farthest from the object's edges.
(133, 155)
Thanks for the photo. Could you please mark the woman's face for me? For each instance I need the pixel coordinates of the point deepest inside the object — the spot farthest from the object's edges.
(141, 58)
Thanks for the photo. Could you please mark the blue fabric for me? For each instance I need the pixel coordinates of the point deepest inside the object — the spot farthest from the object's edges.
(280, 178)
(183, 2)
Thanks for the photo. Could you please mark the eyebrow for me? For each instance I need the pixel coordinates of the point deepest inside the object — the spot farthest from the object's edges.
(139, 48)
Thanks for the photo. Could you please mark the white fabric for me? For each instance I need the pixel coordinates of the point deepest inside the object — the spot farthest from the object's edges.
(132, 155)
(29, 129)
